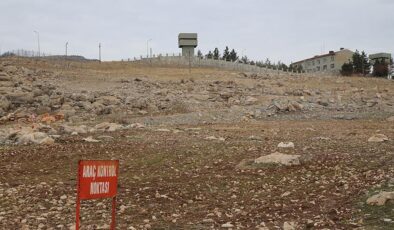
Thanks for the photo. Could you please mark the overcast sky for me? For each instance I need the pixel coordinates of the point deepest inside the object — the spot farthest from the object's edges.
(286, 30)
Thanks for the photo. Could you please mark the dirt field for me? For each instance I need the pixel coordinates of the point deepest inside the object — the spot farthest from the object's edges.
(184, 167)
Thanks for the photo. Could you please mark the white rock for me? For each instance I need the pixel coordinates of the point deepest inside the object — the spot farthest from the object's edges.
(208, 220)
(163, 130)
(91, 140)
(137, 126)
(227, 225)
(255, 138)
(391, 119)
(289, 226)
(279, 158)
(286, 145)
(378, 138)
(381, 198)
(213, 138)
(250, 100)
(286, 194)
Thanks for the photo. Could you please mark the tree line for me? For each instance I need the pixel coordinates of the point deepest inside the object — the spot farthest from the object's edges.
(361, 65)
(232, 56)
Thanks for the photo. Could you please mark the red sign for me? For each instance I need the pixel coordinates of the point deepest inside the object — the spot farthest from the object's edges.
(97, 179)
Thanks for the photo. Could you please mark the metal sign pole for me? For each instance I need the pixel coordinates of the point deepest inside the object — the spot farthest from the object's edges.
(113, 221)
(78, 198)
(92, 173)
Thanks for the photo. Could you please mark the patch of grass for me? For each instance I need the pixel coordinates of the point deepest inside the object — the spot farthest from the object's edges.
(373, 215)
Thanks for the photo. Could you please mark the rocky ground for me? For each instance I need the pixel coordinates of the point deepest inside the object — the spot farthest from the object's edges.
(208, 149)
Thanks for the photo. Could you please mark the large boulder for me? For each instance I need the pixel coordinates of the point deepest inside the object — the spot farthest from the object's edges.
(279, 158)
(286, 106)
(35, 138)
(378, 138)
(381, 198)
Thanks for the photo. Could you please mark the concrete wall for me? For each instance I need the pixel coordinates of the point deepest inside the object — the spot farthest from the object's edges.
(220, 64)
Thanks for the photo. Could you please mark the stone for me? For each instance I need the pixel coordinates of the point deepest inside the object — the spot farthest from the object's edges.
(108, 100)
(378, 138)
(255, 138)
(227, 225)
(285, 194)
(381, 198)
(208, 220)
(4, 103)
(86, 105)
(67, 110)
(91, 140)
(82, 129)
(295, 106)
(391, 119)
(250, 100)
(286, 145)
(4, 77)
(279, 158)
(35, 138)
(137, 126)
(108, 127)
(20, 98)
(289, 226)
(213, 138)
(163, 130)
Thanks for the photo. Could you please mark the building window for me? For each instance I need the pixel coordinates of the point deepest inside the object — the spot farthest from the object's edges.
(332, 58)
(324, 67)
(318, 62)
(318, 68)
(313, 63)
(332, 66)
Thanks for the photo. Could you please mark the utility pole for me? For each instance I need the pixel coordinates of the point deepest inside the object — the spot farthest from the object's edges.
(38, 39)
(147, 47)
(65, 58)
(100, 52)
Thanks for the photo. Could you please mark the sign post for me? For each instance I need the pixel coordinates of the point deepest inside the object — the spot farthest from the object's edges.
(97, 179)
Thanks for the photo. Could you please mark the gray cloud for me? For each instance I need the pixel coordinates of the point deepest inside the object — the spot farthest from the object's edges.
(284, 30)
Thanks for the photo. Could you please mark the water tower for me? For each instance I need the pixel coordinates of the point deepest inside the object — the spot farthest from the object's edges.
(187, 41)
